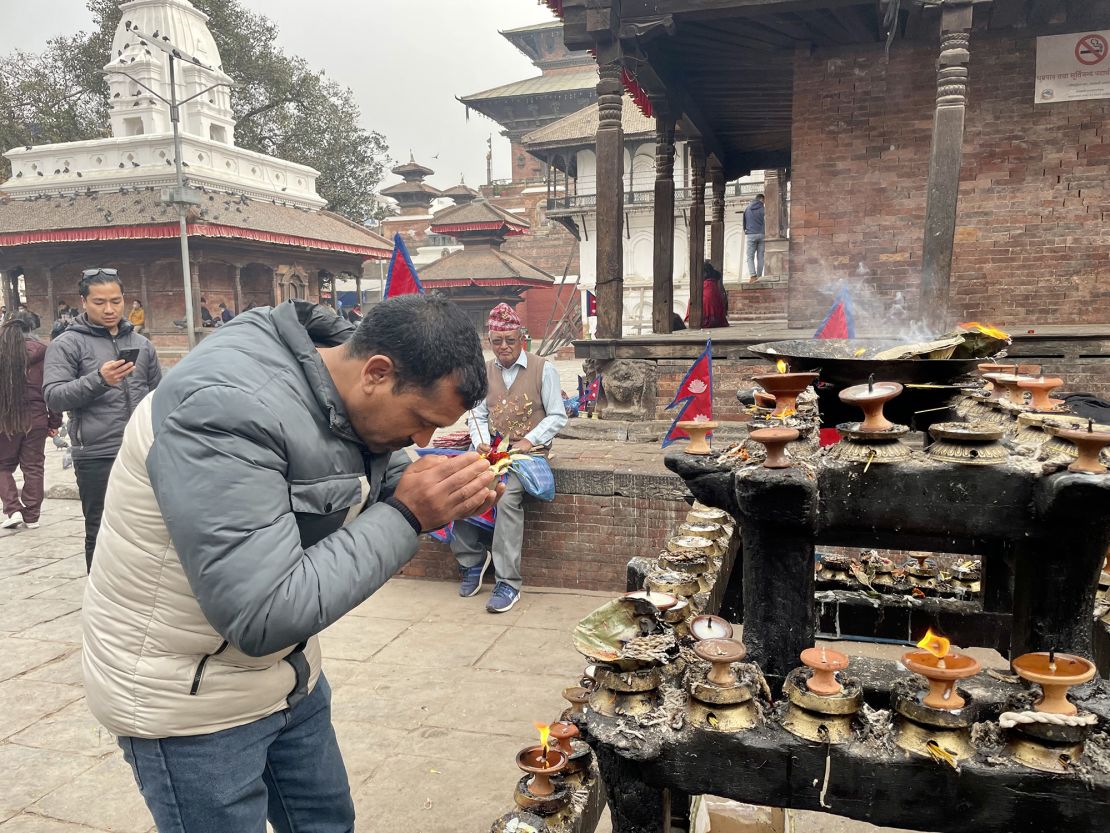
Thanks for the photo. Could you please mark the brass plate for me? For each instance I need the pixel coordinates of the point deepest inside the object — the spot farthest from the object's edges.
(819, 728)
(914, 739)
(722, 718)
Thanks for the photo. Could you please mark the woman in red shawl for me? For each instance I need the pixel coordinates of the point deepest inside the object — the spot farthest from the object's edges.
(714, 299)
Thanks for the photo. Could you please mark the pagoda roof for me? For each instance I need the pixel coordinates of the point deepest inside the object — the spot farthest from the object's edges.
(460, 190)
(478, 216)
(534, 27)
(408, 187)
(581, 127)
(139, 213)
(483, 266)
(412, 169)
(554, 82)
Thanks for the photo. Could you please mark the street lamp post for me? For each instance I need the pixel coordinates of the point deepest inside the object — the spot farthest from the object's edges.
(179, 196)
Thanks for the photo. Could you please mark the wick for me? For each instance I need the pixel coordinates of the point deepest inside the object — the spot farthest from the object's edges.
(941, 663)
(871, 383)
(1052, 660)
(824, 658)
(1090, 426)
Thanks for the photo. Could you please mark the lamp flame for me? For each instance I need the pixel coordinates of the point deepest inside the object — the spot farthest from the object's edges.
(788, 412)
(985, 329)
(781, 366)
(545, 731)
(935, 644)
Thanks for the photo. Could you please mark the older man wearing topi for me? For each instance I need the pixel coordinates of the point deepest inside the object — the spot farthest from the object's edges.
(524, 406)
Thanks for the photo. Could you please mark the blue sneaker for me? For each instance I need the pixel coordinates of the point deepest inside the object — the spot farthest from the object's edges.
(472, 577)
(503, 598)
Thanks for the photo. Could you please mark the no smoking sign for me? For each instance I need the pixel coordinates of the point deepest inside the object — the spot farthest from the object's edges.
(1091, 49)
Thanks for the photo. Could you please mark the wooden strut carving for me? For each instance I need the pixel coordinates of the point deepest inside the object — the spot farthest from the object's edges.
(717, 222)
(952, 69)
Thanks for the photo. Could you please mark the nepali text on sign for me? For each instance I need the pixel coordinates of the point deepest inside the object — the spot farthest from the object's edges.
(1073, 67)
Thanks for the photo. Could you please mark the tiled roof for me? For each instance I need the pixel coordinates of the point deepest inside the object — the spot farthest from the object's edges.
(478, 212)
(535, 27)
(220, 212)
(411, 188)
(555, 82)
(480, 264)
(582, 126)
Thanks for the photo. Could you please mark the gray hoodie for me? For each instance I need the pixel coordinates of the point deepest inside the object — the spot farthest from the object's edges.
(98, 412)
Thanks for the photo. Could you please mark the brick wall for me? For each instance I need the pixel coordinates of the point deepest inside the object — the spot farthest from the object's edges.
(728, 377)
(583, 541)
(1032, 244)
(757, 302)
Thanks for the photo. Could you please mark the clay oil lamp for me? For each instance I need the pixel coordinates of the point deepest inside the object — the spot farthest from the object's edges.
(1088, 444)
(718, 699)
(1006, 384)
(710, 547)
(876, 439)
(936, 722)
(785, 387)
(708, 514)
(708, 626)
(836, 570)
(1057, 743)
(966, 578)
(942, 669)
(1028, 370)
(678, 584)
(921, 572)
(578, 696)
(708, 531)
(660, 601)
(1055, 674)
(967, 443)
(764, 401)
(988, 367)
(882, 570)
(536, 791)
(821, 704)
(871, 398)
(565, 737)
(1040, 387)
(699, 430)
(775, 440)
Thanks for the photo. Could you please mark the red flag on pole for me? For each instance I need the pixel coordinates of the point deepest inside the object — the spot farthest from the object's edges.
(402, 278)
(694, 394)
(838, 323)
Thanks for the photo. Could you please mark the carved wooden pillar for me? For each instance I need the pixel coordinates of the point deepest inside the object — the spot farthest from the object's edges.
(662, 297)
(148, 318)
(717, 217)
(51, 304)
(358, 288)
(697, 230)
(945, 160)
(772, 218)
(194, 275)
(237, 272)
(610, 203)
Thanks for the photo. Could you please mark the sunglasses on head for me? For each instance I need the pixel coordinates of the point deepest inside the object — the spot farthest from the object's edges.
(89, 273)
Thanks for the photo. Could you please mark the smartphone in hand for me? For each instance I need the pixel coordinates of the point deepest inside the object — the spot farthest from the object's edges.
(130, 355)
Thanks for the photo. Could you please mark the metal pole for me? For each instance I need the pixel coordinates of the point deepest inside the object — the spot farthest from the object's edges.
(186, 276)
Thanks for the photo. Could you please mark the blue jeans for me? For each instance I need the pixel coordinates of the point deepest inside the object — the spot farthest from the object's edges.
(286, 767)
(755, 247)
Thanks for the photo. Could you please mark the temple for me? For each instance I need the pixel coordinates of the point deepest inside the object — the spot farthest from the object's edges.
(259, 232)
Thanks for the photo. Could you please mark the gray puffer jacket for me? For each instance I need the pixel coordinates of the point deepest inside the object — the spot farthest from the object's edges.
(98, 412)
(243, 516)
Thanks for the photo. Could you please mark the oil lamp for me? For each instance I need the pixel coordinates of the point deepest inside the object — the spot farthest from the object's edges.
(708, 626)
(536, 792)
(1051, 737)
(718, 699)
(785, 387)
(821, 702)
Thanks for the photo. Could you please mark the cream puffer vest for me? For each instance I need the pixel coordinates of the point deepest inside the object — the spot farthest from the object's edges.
(154, 667)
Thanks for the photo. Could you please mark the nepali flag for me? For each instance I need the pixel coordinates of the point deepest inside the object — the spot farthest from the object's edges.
(402, 278)
(591, 304)
(838, 323)
(694, 394)
(589, 398)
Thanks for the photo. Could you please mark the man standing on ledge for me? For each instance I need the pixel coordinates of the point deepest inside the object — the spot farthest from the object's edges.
(755, 233)
(254, 502)
(525, 406)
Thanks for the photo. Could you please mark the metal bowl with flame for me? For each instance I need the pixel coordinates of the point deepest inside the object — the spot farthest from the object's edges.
(844, 362)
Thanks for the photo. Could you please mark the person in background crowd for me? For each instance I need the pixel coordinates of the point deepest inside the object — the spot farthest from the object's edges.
(137, 316)
(36, 322)
(85, 375)
(525, 406)
(355, 315)
(206, 319)
(25, 422)
(714, 299)
(225, 314)
(754, 233)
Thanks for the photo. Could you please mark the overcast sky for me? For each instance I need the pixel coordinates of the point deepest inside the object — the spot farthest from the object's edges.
(406, 60)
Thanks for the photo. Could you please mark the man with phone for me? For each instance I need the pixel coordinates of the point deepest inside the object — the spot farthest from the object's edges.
(98, 369)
